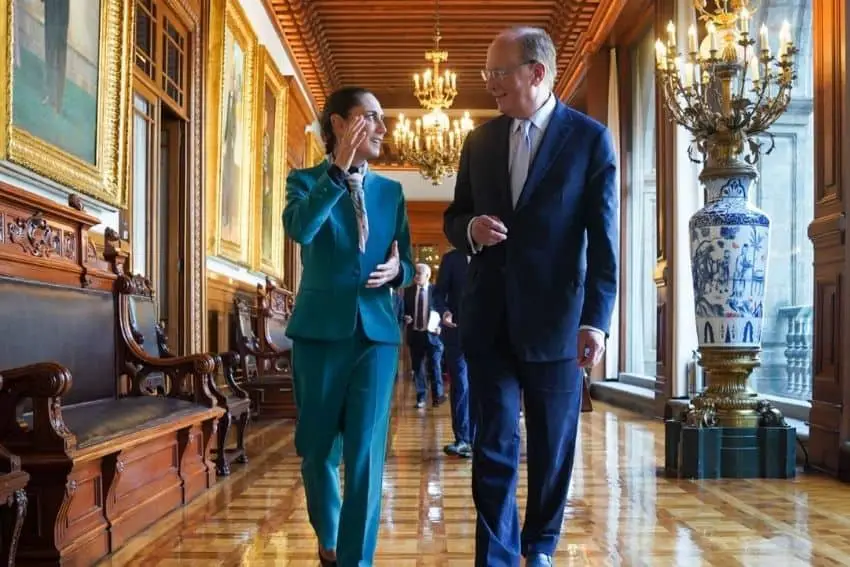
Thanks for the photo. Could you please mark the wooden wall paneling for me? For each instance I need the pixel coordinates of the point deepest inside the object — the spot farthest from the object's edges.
(665, 10)
(426, 229)
(830, 414)
(596, 106)
(596, 82)
(426, 222)
(625, 96)
(299, 118)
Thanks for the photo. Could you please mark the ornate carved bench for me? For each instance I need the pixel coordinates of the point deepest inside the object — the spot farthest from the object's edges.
(112, 435)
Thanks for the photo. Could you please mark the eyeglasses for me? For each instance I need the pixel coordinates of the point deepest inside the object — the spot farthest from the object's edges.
(499, 74)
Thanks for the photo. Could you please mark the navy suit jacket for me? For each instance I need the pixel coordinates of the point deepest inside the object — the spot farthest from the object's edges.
(557, 269)
(409, 309)
(451, 279)
(448, 291)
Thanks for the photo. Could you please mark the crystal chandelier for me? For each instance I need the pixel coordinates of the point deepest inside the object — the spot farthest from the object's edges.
(434, 144)
(727, 91)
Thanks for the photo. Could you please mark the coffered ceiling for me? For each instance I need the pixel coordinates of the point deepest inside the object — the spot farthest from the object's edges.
(379, 44)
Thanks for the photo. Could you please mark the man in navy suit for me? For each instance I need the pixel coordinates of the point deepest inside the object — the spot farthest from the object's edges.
(423, 340)
(450, 281)
(535, 205)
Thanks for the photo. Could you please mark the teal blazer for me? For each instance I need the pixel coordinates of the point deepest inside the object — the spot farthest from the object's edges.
(319, 215)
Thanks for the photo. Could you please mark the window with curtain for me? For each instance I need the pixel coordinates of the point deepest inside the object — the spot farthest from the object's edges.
(640, 205)
(785, 192)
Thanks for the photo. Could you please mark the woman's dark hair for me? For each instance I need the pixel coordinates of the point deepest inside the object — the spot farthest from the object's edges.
(340, 102)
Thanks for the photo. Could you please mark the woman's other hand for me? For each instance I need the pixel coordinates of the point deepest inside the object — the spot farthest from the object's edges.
(386, 272)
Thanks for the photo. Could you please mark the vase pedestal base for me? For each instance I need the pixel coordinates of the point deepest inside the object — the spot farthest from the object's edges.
(729, 452)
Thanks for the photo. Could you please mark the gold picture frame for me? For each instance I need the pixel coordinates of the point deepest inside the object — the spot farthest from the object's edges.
(272, 96)
(315, 149)
(230, 131)
(69, 122)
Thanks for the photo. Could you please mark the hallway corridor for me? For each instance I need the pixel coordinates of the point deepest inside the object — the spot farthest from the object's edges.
(619, 513)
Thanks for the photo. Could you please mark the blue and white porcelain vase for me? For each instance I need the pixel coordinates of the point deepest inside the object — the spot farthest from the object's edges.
(729, 244)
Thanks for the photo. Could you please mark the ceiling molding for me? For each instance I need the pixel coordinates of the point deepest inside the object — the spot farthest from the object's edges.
(301, 79)
(589, 40)
(382, 43)
(302, 28)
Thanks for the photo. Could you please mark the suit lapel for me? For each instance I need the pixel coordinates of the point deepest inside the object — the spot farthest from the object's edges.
(550, 147)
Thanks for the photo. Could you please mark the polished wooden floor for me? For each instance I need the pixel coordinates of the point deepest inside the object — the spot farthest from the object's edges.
(620, 512)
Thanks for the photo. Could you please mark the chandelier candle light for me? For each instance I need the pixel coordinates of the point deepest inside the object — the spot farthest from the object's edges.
(727, 91)
(435, 143)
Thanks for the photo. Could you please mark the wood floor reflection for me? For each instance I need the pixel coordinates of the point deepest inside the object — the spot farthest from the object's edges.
(620, 512)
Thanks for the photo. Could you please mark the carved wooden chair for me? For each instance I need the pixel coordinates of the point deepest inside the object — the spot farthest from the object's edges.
(274, 309)
(265, 371)
(235, 401)
(149, 366)
(149, 336)
(276, 305)
(13, 504)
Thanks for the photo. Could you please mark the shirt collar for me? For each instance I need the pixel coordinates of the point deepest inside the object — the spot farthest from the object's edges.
(541, 117)
(364, 167)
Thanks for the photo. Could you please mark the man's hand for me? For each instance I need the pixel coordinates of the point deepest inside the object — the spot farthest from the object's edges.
(386, 272)
(447, 320)
(591, 345)
(487, 230)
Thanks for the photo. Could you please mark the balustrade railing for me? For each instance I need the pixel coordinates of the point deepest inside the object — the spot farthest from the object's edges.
(786, 358)
(798, 350)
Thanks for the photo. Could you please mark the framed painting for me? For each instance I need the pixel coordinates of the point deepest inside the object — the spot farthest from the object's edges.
(230, 131)
(272, 98)
(64, 109)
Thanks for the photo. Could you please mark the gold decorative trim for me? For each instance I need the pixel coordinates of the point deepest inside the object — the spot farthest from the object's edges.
(315, 149)
(271, 77)
(104, 180)
(229, 14)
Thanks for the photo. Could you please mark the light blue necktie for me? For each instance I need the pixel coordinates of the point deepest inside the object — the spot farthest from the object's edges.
(522, 159)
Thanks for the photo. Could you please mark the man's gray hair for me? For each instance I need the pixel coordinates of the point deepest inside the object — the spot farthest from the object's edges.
(536, 45)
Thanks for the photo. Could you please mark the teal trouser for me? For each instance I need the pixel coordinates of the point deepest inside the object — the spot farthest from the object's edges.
(343, 390)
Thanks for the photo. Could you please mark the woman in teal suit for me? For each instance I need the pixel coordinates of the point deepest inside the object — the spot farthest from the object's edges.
(355, 245)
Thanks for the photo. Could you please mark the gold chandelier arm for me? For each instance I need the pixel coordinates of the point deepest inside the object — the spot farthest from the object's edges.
(733, 92)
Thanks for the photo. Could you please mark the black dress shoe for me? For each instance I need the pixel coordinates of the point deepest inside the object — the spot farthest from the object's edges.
(440, 401)
(458, 449)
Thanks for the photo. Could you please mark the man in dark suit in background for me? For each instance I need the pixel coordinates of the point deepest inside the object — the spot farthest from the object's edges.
(535, 204)
(450, 281)
(423, 337)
